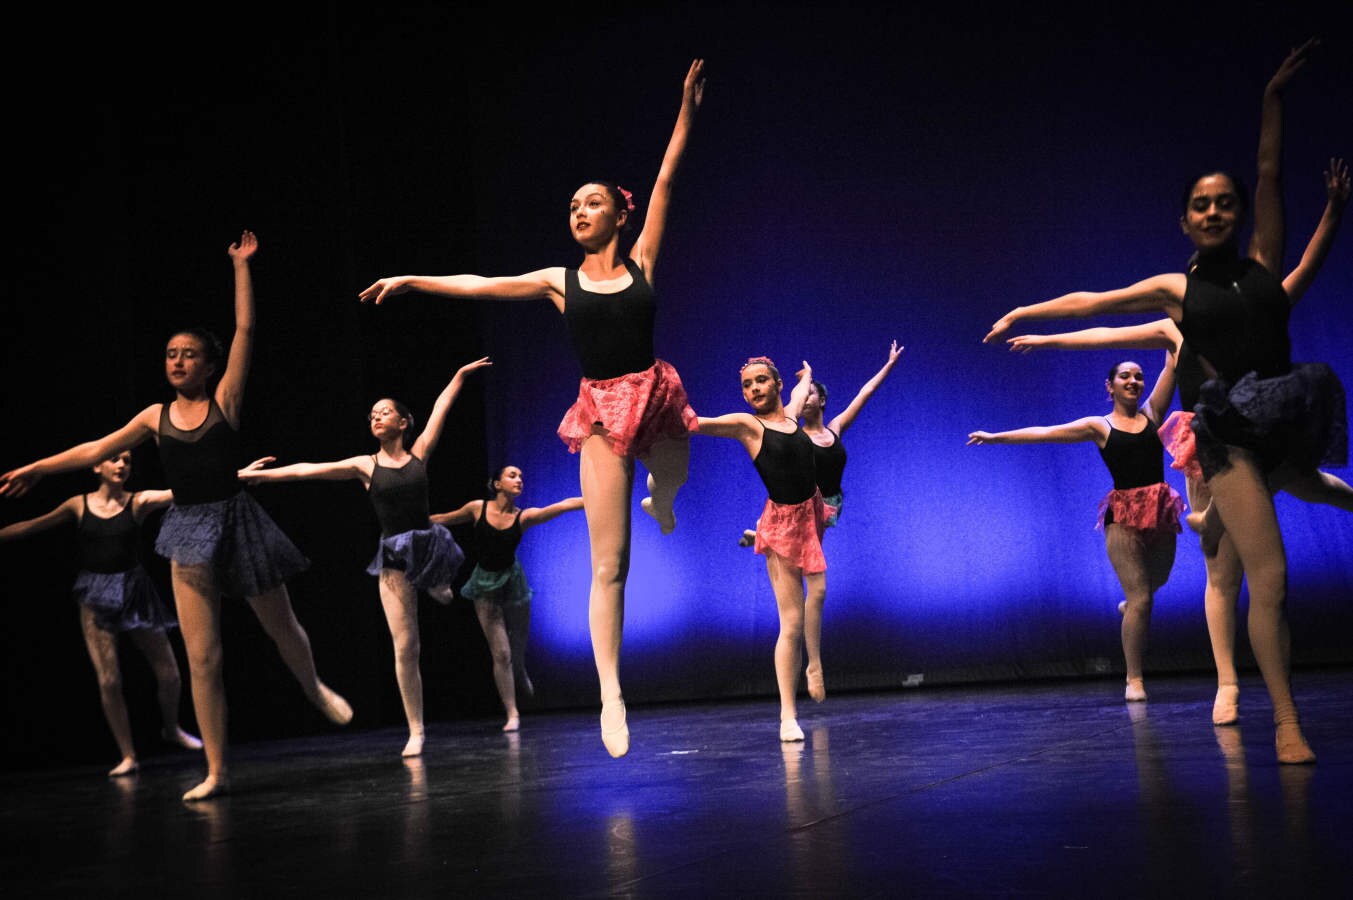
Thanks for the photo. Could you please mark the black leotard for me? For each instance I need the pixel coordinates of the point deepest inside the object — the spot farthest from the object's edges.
(830, 463)
(496, 548)
(612, 334)
(785, 464)
(200, 464)
(1235, 317)
(108, 545)
(400, 496)
(1134, 459)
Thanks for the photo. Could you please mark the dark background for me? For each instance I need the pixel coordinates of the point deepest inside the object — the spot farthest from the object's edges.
(858, 174)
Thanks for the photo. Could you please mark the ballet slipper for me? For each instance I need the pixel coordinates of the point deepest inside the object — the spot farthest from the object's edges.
(442, 593)
(817, 689)
(748, 538)
(414, 747)
(513, 724)
(211, 786)
(1292, 746)
(617, 739)
(790, 731)
(1135, 691)
(1225, 709)
(1122, 607)
(667, 523)
(180, 738)
(128, 766)
(332, 704)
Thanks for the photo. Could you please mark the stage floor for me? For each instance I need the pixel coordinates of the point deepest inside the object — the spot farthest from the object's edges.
(1047, 789)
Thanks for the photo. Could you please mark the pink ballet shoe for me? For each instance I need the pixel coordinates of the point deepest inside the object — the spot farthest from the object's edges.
(1135, 692)
(1225, 709)
(414, 747)
(616, 740)
(790, 731)
(1292, 746)
(212, 786)
(817, 688)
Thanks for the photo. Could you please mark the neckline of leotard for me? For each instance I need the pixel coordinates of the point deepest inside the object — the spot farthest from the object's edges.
(797, 426)
(211, 404)
(484, 518)
(89, 512)
(836, 438)
(631, 267)
(375, 461)
(1145, 428)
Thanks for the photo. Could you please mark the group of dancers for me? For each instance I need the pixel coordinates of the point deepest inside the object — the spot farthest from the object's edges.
(1257, 424)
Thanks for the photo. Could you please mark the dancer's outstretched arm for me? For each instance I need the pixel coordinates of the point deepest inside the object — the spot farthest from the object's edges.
(1091, 428)
(230, 389)
(1336, 192)
(1266, 242)
(539, 515)
(146, 502)
(427, 441)
(1159, 400)
(1160, 293)
(18, 482)
(465, 515)
(847, 416)
(799, 395)
(1161, 334)
(645, 249)
(68, 511)
(540, 284)
(358, 467)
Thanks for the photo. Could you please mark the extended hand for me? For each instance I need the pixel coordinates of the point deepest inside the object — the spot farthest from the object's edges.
(471, 366)
(245, 248)
(247, 473)
(979, 437)
(693, 91)
(1291, 65)
(1337, 181)
(1026, 343)
(385, 287)
(18, 482)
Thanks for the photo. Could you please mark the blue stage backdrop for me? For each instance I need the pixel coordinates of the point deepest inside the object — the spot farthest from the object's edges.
(856, 176)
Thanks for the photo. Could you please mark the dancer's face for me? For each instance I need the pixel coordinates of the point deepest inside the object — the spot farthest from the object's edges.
(185, 363)
(510, 481)
(814, 402)
(115, 469)
(592, 216)
(1214, 213)
(1127, 383)
(386, 422)
(760, 388)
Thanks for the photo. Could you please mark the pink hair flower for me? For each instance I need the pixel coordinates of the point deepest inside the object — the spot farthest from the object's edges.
(629, 198)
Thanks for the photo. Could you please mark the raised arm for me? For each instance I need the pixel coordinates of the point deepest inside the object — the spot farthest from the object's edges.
(1161, 293)
(542, 283)
(847, 416)
(463, 516)
(358, 467)
(1159, 401)
(1162, 334)
(1336, 192)
(1091, 428)
(146, 502)
(17, 482)
(427, 441)
(230, 389)
(539, 515)
(1266, 242)
(799, 395)
(645, 249)
(68, 511)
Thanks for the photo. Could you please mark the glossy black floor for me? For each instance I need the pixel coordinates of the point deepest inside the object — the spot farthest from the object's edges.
(1051, 789)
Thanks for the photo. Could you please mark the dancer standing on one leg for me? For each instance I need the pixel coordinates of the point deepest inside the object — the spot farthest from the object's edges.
(117, 596)
(414, 554)
(789, 531)
(1259, 411)
(220, 541)
(1140, 516)
(497, 586)
(630, 404)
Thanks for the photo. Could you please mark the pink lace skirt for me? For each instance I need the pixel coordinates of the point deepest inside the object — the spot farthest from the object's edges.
(635, 411)
(1156, 507)
(1177, 435)
(794, 532)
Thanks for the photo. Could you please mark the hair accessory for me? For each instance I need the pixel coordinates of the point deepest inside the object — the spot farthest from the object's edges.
(758, 361)
(629, 198)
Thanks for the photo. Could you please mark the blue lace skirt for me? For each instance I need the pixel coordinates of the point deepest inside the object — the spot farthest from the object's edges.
(248, 554)
(428, 558)
(505, 588)
(123, 601)
(1298, 419)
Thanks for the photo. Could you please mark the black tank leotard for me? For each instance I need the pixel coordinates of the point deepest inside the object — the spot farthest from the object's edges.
(200, 464)
(496, 548)
(612, 334)
(1235, 317)
(785, 464)
(830, 463)
(400, 496)
(1134, 459)
(108, 545)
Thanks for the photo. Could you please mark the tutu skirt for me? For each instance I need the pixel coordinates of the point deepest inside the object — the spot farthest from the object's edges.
(1298, 419)
(834, 504)
(123, 601)
(505, 588)
(794, 532)
(635, 410)
(1177, 435)
(429, 557)
(248, 554)
(1153, 508)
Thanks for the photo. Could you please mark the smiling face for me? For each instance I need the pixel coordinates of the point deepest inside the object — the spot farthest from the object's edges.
(593, 217)
(186, 364)
(509, 481)
(1126, 385)
(760, 388)
(1214, 213)
(386, 422)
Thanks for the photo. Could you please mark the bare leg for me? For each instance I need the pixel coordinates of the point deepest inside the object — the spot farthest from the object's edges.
(786, 582)
(1246, 506)
(607, 482)
(1321, 487)
(491, 620)
(279, 621)
(400, 602)
(154, 645)
(518, 621)
(102, 647)
(199, 610)
(1142, 564)
(812, 633)
(667, 463)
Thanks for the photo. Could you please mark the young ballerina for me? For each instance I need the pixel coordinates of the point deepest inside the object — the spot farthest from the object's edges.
(1259, 411)
(789, 531)
(630, 404)
(497, 584)
(829, 451)
(1140, 516)
(219, 540)
(116, 596)
(1222, 593)
(414, 554)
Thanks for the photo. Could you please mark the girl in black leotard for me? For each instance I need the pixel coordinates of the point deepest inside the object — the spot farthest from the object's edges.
(497, 585)
(219, 539)
(414, 553)
(789, 531)
(1259, 411)
(630, 404)
(1140, 516)
(116, 596)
